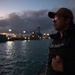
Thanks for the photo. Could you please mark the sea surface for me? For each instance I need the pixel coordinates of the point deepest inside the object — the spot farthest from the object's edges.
(23, 57)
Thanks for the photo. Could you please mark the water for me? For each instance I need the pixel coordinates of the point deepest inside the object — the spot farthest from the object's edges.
(23, 57)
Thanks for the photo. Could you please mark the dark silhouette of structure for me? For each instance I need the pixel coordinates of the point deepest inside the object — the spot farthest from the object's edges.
(36, 35)
(3, 38)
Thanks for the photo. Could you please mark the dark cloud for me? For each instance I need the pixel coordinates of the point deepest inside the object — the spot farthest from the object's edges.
(3, 23)
(28, 21)
(73, 1)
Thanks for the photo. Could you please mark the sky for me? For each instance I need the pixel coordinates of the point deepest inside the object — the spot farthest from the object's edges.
(26, 15)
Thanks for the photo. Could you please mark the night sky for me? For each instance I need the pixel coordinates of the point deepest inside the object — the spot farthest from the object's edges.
(26, 15)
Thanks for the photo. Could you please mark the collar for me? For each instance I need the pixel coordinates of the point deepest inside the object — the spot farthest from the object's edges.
(66, 33)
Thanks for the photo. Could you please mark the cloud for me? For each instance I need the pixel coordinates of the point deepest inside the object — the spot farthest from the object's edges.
(73, 3)
(26, 21)
(3, 23)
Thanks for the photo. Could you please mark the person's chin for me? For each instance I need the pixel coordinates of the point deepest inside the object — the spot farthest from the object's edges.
(56, 28)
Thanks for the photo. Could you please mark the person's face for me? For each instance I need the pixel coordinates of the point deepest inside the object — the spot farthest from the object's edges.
(59, 23)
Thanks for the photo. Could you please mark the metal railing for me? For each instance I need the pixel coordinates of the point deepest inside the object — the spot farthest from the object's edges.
(38, 73)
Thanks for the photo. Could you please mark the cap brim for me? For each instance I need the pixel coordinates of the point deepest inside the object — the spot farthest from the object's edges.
(51, 14)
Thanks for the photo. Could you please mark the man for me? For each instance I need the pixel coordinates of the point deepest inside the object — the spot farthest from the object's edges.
(61, 59)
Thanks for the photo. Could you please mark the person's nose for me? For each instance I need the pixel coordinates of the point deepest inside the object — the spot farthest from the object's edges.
(53, 20)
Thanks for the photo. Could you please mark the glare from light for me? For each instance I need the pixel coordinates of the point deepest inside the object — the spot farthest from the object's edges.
(24, 31)
(9, 30)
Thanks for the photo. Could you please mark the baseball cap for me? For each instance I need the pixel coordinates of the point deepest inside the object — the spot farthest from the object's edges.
(64, 12)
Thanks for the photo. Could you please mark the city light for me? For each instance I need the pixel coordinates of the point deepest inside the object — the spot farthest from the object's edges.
(9, 30)
(24, 31)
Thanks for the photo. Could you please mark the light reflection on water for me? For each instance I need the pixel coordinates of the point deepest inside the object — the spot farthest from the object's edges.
(9, 48)
(22, 57)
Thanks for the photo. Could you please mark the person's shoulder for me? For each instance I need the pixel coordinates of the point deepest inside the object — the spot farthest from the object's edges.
(55, 36)
(74, 28)
(73, 31)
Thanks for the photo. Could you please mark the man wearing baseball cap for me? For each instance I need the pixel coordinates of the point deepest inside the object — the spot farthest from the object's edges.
(61, 58)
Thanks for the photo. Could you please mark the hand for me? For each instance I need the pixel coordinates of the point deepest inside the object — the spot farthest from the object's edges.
(57, 64)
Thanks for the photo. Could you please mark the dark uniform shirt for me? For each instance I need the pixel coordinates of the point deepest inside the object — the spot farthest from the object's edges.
(65, 48)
